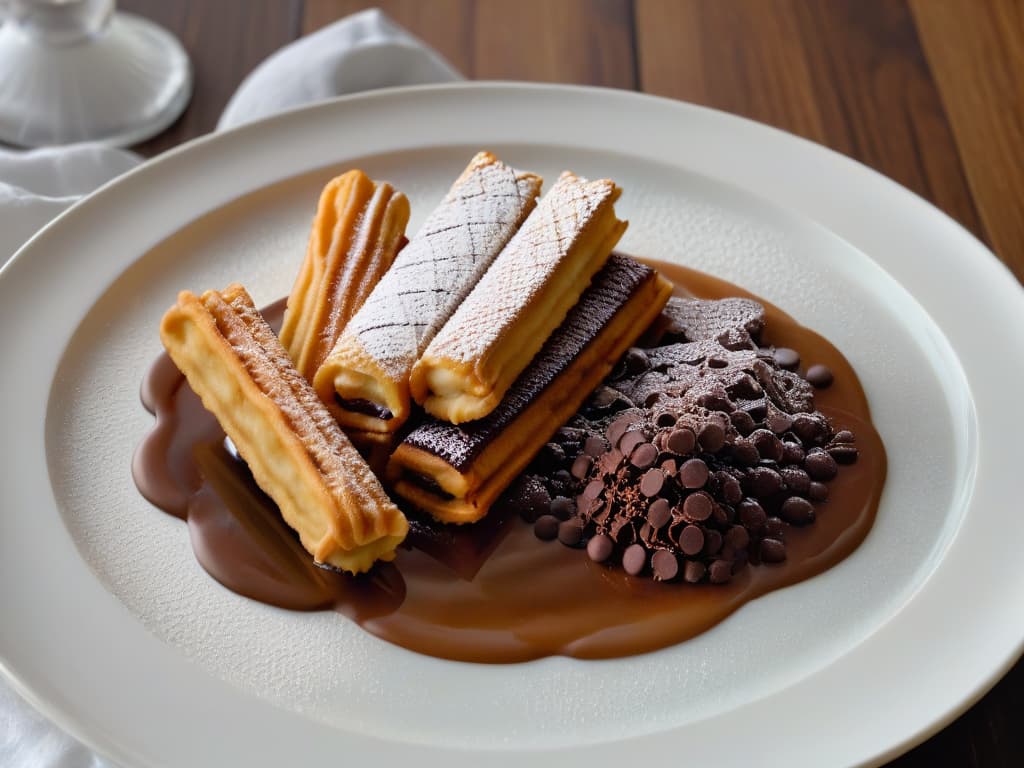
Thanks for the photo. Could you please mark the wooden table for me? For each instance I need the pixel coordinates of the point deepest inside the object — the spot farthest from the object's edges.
(928, 92)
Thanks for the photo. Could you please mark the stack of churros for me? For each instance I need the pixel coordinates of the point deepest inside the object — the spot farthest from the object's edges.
(499, 317)
(457, 472)
(366, 376)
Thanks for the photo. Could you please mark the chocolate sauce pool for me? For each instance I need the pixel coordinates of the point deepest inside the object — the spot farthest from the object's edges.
(490, 592)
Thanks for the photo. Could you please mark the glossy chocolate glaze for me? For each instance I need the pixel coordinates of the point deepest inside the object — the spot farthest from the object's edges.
(490, 592)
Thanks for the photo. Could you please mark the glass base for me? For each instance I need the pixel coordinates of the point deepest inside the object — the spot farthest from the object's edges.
(118, 87)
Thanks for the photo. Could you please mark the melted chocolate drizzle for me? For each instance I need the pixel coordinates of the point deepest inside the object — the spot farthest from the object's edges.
(489, 592)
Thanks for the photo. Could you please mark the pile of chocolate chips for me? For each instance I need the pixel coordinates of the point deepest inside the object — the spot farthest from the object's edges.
(696, 455)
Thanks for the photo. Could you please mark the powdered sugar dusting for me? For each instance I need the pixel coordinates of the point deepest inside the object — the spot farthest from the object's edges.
(611, 289)
(528, 262)
(440, 265)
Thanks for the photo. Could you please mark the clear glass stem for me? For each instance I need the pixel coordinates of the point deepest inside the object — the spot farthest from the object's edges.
(60, 22)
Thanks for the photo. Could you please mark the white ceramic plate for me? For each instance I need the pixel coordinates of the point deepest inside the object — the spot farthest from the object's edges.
(111, 628)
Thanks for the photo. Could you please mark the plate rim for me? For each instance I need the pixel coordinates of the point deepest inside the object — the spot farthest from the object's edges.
(49, 705)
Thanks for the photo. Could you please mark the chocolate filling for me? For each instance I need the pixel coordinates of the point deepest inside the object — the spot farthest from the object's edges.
(428, 484)
(365, 407)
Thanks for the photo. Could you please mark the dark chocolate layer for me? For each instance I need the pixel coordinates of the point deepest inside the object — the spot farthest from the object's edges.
(365, 407)
(610, 289)
(733, 322)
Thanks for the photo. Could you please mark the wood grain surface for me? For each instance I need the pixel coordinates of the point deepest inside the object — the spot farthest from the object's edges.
(928, 92)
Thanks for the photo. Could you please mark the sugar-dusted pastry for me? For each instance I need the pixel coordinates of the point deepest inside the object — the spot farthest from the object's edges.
(457, 472)
(296, 452)
(357, 231)
(365, 379)
(537, 278)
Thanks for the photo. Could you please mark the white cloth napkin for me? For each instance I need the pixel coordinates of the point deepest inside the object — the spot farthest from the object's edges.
(361, 52)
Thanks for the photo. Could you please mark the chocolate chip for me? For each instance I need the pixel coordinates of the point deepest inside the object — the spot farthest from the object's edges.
(652, 482)
(581, 466)
(774, 528)
(762, 482)
(720, 572)
(844, 436)
(546, 527)
(819, 465)
(796, 480)
(751, 514)
(647, 533)
(793, 453)
(694, 572)
(562, 482)
(669, 466)
(604, 397)
(844, 453)
(664, 565)
(636, 360)
(797, 511)
(659, 513)
(743, 422)
(551, 455)
(665, 419)
(691, 540)
(594, 446)
(819, 376)
(787, 358)
(563, 507)
(810, 429)
(644, 456)
(716, 399)
(717, 362)
(745, 452)
(712, 542)
(721, 514)
(772, 551)
(779, 422)
(698, 506)
(527, 496)
(729, 488)
(600, 548)
(653, 399)
(618, 427)
(570, 532)
(693, 474)
(681, 441)
(818, 491)
(711, 437)
(768, 445)
(593, 489)
(538, 501)
(737, 537)
(634, 559)
(745, 386)
(631, 440)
